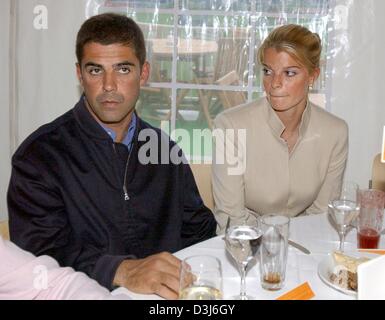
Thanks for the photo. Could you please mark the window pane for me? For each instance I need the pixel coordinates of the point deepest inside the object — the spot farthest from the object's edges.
(154, 105)
(158, 30)
(293, 6)
(223, 5)
(192, 123)
(201, 106)
(212, 46)
(127, 5)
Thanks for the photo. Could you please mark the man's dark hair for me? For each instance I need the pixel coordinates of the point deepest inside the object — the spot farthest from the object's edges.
(111, 28)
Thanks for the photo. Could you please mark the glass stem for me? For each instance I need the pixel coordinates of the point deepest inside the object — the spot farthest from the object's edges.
(242, 294)
(342, 241)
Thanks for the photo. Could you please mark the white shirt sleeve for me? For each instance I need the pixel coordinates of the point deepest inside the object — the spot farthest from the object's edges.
(24, 276)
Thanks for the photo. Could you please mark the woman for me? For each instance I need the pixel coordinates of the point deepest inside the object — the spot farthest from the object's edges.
(295, 152)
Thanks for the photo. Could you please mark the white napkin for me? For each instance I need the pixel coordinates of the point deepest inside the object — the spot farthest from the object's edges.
(371, 279)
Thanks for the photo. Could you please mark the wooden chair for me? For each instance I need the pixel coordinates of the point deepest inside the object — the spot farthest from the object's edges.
(378, 173)
(202, 175)
(230, 98)
(230, 68)
(4, 229)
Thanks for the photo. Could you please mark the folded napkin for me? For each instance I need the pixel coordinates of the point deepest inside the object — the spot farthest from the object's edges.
(302, 292)
(371, 279)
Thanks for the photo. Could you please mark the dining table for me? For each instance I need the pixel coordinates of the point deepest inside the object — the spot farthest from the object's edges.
(314, 232)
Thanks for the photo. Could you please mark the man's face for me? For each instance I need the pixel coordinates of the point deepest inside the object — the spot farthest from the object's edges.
(111, 77)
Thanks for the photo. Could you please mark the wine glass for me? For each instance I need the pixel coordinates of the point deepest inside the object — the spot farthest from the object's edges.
(344, 209)
(242, 242)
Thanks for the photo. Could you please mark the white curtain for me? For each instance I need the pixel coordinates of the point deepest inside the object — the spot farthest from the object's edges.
(45, 78)
(4, 103)
(46, 85)
(356, 88)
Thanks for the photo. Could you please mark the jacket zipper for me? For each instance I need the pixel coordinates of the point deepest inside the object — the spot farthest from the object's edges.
(126, 196)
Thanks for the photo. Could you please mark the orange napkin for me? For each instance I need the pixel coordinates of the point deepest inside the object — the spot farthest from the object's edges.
(302, 292)
(376, 251)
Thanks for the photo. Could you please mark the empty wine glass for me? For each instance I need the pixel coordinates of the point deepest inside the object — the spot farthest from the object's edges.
(242, 242)
(343, 209)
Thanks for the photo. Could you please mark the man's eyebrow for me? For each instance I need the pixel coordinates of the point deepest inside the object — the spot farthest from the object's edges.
(124, 63)
(93, 64)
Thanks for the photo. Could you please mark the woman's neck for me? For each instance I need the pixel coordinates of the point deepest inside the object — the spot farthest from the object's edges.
(291, 118)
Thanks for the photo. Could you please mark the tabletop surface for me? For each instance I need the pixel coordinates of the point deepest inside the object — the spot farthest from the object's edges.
(314, 232)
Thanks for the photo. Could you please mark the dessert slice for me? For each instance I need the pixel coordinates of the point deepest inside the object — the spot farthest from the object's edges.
(345, 270)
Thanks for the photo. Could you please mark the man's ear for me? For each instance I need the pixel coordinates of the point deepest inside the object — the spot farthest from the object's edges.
(79, 73)
(145, 73)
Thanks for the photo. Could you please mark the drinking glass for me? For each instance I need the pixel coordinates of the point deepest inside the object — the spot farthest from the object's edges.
(371, 203)
(200, 278)
(242, 242)
(274, 251)
(343, 209)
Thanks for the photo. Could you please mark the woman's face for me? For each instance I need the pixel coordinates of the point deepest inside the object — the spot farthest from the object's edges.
(286, 81)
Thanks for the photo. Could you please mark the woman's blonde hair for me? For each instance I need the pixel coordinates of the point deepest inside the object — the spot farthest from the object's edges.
(302, 44)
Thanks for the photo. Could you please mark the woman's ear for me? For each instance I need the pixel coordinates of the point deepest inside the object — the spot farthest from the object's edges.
(314, 76)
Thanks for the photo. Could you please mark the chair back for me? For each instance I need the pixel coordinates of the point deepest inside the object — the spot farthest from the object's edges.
(378, 173)
(230, 98)
(202, 175)
(4, 229)
(232, 55)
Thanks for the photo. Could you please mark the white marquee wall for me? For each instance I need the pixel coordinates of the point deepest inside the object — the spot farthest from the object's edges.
(357, 89)
(4, 103)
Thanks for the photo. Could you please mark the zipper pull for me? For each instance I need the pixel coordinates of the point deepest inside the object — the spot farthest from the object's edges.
(126, 196)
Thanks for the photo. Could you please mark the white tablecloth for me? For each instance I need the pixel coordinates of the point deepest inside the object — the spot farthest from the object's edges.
(314, 232)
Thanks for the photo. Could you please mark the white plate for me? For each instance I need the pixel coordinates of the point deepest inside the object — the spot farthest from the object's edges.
(326, 266)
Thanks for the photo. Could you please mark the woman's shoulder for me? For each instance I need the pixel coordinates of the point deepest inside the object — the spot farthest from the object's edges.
(326, 120)
(241, 115)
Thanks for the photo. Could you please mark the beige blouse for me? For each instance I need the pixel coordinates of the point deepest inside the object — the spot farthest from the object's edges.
(274, 180)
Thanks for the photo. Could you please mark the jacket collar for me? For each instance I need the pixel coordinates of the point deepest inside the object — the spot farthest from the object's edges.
(278, 127)
(89, 125)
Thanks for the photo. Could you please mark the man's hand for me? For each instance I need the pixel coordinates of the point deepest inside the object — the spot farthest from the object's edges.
(157, 274)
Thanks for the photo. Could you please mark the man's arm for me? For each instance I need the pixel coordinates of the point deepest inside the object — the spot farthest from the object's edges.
(37, 219)
(39, 223)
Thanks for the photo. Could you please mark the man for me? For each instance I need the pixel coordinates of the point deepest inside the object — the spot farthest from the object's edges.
(79, 190)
